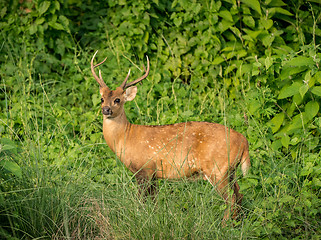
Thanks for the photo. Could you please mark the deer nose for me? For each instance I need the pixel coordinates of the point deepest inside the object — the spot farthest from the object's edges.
(107, 110)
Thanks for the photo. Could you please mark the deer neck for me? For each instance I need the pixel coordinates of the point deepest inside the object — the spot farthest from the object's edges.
(115, 132)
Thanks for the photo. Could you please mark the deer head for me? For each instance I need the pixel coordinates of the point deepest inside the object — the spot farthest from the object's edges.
(112, 101)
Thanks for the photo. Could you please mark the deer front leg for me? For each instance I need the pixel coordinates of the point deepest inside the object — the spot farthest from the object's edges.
(222, 187)
(238, 200)
(147, 186)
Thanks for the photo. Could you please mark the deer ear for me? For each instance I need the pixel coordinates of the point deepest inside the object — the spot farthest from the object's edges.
(130, 93)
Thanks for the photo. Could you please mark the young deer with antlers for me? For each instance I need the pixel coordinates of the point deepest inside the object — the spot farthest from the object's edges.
(172, 151)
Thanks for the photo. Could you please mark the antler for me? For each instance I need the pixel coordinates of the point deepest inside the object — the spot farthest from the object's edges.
(98, 79)
(126, 85)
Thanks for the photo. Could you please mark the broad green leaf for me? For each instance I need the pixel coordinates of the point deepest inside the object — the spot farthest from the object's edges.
(307, 76)
(289, 91)
(39, 21)
(254, 4)
(8, 145)
(57, 5)
(33, 29)
(300, 61)
(224, 25)
(60, 47)
(56, 25)
(244, 69)
(218, 60)
(95, 99)
(237, 33)
(297, 99)
(226, 15)
(316, 1)
(268, 62)
(249, 21)
(285, 140)
(276, 122)
(11, 167)
(316, 182)
(317, 76)
(248, 182)
(268, 39)
(294, 140)
(276, 3)
(311, 109)
(283, 50)
(43, 7)
(248, 38)
(157, 77)
(316, 90)
(312, 80)
(283, 11)
(253, 34)
(216, 5)
(64, 20)
(297, 122)
(3, 11)
(146, 37)
(254, 106)
(178, 21)
(307, 169)
(267, 23)
(303, 89)
(276, 145)
(289, 71)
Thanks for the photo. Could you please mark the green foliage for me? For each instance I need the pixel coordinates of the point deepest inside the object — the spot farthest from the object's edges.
(298, 101)
(8, 152)
(253, 65)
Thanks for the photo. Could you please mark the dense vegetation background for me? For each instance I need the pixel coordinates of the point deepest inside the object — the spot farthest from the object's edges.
(249, 64)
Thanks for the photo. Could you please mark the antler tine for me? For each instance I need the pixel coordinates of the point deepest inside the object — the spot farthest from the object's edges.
(92, 66)
(124, 85)
(100, 77)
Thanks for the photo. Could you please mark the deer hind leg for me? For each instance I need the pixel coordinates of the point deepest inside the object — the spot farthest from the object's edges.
(237, 197)
(223, 186)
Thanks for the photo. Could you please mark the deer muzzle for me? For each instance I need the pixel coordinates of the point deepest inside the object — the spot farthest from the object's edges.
(107, 111)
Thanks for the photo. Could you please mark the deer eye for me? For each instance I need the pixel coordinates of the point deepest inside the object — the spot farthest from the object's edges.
(102, 100)
(117, 100)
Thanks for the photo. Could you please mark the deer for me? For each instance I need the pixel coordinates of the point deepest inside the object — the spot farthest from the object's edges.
(175, 151)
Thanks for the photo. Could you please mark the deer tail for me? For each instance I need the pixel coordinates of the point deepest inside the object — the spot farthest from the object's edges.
(245, 160)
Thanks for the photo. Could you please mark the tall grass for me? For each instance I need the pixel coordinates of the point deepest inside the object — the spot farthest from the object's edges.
(47, 204)
(70, 191)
